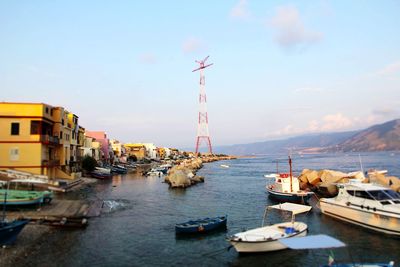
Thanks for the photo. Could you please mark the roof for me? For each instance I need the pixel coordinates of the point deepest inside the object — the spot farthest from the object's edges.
(364, 186)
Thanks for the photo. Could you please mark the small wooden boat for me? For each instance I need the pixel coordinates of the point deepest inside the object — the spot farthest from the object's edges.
(100, 175)
(10, 230)
(201, 225)
(287, 188)
(24, 197)
(267, 238)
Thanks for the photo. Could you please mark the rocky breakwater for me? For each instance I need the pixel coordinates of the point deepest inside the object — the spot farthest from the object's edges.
(323, 182)
(184, 174)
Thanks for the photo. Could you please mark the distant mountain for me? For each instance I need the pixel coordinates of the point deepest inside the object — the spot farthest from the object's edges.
(380, 137)
(299, 143)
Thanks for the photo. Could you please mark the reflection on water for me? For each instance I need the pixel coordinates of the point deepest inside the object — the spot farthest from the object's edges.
(141, 233)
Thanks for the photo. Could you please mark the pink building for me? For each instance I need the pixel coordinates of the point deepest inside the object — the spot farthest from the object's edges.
(101, 137)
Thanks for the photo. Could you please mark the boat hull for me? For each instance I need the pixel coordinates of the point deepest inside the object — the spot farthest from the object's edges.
(23, 198)
(201, 227)
(289, 197)
(374, 220)
(265, 244)
(9, 231)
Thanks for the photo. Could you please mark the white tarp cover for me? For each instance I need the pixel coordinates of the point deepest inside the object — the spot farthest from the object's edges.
(312, 242)
(292, 207)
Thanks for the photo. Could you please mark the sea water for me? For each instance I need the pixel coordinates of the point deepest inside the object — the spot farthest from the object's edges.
(137, 225)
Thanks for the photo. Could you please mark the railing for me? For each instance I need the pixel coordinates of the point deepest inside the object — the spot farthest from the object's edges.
(51, 162)
(49, 139)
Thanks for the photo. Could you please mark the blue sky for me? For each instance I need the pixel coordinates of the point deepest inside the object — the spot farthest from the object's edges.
(280, 68)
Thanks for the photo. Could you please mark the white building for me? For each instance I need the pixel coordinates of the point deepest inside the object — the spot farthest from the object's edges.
(151, 150)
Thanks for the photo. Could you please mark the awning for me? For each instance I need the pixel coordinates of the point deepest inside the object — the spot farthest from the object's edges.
(292, 207)
(312, 242)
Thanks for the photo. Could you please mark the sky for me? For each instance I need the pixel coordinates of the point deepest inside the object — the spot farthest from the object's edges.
(280, 68)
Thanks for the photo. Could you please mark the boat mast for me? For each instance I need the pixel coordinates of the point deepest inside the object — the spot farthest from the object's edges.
(290, 173)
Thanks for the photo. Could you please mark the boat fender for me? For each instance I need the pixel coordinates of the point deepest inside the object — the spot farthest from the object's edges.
(201, 228)
(348, 203)
(374, 209)
(362, 206)
(367, 207)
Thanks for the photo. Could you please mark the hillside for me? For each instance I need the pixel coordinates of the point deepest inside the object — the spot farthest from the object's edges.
(299, 143)
(379, 137)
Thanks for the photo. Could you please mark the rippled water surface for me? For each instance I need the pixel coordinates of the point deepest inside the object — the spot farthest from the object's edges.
(137, 225)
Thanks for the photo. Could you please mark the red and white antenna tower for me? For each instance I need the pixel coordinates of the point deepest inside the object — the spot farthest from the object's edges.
(202, 126)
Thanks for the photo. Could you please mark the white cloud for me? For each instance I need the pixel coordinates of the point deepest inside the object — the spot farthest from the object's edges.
(240, 10)
(336, 122)
(147, 58)
(193, 45)
(290, 29)
(391, 70)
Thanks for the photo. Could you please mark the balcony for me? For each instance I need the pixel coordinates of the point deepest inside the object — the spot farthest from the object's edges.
(51, 162)
(49, 140)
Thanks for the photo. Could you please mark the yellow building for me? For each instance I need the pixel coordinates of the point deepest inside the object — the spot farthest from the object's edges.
(138, 150)
(27, 140)
(161, 152)
(38, 138)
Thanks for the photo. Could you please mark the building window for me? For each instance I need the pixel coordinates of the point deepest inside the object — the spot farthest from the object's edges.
(35, 127)
(47, 110)
(15, 128)
(61, 135)
(62, 122)
(14, 154)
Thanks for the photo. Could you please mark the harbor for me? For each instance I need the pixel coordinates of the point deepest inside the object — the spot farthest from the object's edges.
(138, 218)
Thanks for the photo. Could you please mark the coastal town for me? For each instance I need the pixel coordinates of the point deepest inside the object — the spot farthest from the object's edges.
(192, 133)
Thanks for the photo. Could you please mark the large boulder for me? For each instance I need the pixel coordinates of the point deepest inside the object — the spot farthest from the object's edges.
(329, 176)
(309, 176)
(178, 178)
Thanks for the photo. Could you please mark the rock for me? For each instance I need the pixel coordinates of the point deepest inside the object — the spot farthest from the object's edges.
(329, 176)
(178, 178)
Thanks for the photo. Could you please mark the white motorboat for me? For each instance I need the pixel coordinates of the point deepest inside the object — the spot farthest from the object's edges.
(367, 205)
(224, 166)
(266, 238)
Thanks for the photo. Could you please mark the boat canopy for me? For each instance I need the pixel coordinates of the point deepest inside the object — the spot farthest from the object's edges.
(312, 242)
(292, 207)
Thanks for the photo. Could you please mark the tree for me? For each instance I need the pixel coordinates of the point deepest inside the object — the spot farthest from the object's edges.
(89, 163)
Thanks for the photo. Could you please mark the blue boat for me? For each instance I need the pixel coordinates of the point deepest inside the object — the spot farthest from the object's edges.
(201, 225)
(10, 230)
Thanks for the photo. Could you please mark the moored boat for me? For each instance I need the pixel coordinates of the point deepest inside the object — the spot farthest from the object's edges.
(24, 197)
(201, 225)
(100, 175)
(286, 188)
(367, 205)
(10, 230)
(266, 238)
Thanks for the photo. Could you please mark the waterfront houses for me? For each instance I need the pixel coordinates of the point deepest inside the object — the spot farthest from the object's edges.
(48, 140)
(36, 138)
(101, 137)
(135, 149)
